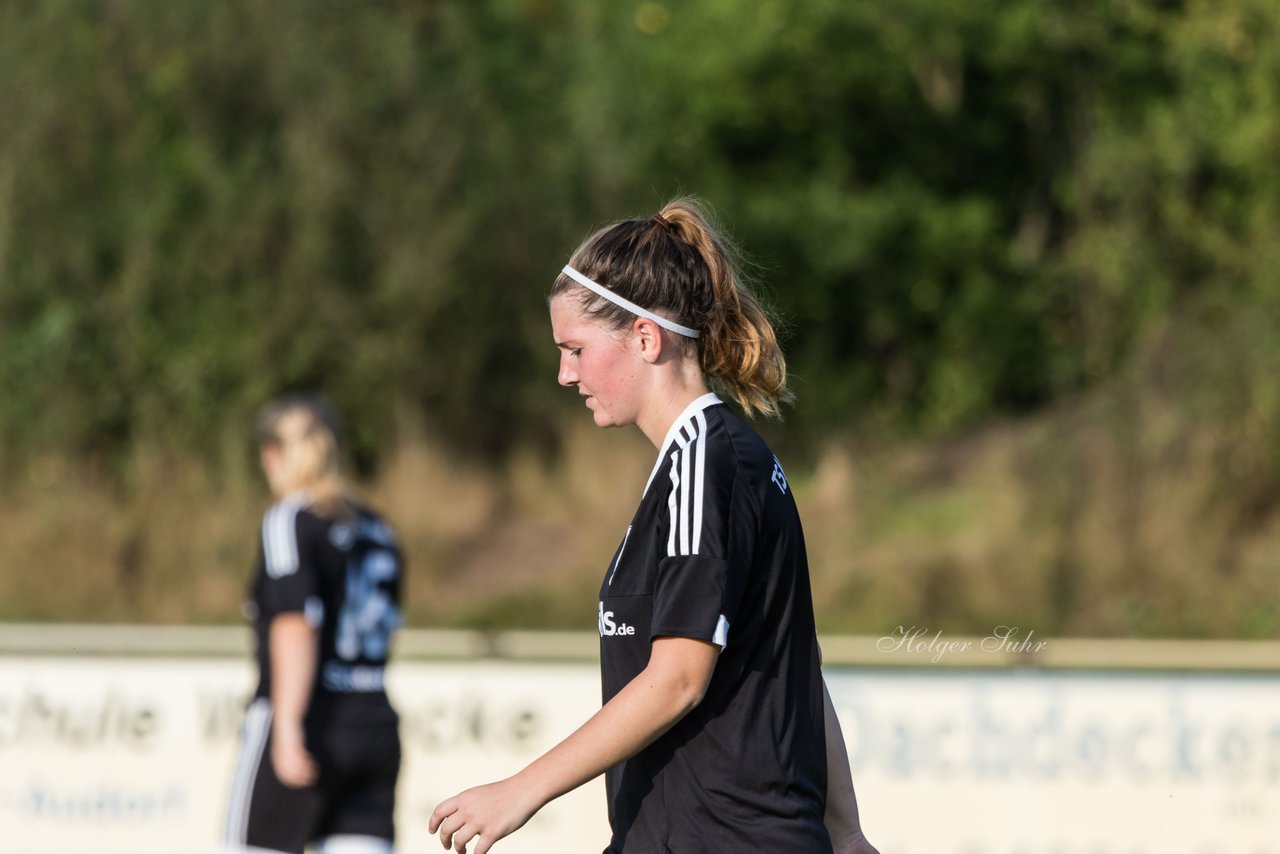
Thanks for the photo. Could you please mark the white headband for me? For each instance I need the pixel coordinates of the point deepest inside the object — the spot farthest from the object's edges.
(629, 305)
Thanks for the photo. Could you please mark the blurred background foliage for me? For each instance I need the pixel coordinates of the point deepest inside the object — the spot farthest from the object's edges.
(1021, 249)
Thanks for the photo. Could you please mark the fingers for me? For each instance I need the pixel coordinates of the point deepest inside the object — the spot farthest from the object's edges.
(447, 827)
(298, 778)
(476, 815)
(455, 833)
(295, 768)
(443, 810)
(305, 770)
(308, 773)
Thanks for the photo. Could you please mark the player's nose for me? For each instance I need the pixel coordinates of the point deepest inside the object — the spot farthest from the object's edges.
(567, 376)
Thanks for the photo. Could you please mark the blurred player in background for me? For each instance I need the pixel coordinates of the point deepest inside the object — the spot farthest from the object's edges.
(320, 745)
(717, 733)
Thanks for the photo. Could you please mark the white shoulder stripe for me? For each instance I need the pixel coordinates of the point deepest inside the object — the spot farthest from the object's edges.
(673, 505)
(280, 539)
(699, 473)
(686, 499)
(694, 408)
(687, 472)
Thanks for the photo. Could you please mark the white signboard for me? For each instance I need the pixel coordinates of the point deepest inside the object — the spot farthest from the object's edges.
(115, 755)
(119, 756)
(1010, 762)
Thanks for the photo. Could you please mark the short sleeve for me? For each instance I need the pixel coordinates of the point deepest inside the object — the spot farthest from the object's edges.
(707, 545)
(288, 579)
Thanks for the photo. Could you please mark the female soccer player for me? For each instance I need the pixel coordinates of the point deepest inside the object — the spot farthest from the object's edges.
(716, 733)
(320, 747)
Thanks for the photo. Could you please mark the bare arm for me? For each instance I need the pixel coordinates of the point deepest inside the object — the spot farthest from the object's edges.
(843, 823)
(292, 643)
(671, 685)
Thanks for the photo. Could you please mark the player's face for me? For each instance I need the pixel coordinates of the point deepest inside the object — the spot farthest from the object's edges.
(276, 469)
(598, 361)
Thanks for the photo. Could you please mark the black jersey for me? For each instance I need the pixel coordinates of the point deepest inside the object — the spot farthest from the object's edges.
(345, 575)
(715, 552)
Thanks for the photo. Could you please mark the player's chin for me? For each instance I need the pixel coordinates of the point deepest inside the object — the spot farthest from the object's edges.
(602, 418)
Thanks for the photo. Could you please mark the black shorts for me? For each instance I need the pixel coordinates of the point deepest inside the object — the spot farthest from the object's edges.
(355, 793)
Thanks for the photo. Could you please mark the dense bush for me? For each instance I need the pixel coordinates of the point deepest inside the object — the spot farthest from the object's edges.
(965, 211)
(961, 208)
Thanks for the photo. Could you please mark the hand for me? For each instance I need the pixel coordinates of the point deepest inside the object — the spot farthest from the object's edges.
(293, 765)
(854, 843)
(485, 813)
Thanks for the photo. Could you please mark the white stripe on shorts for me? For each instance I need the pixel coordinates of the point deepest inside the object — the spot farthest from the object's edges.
(350, 844)
(253, 743)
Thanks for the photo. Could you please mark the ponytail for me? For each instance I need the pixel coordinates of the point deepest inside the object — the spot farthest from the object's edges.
(677, 263)
(739, 346)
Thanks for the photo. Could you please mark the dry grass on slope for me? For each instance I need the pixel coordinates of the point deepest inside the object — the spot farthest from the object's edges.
(1123, 513)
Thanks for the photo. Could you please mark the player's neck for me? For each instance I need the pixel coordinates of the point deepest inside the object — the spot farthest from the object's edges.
(666, 401)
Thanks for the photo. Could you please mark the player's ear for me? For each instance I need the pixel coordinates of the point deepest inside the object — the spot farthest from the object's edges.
(647, 338)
